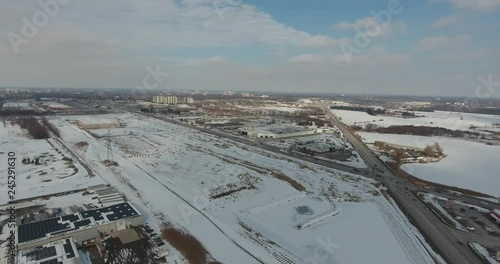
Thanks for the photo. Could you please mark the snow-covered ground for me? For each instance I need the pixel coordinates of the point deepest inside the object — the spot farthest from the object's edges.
(231, 196)
(55, 172)
(450, 120)
(469, 165)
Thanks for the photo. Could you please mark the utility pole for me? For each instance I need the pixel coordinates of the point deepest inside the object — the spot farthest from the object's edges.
(109, 146)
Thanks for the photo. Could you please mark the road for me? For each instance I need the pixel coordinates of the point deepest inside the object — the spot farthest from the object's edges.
(442, 237)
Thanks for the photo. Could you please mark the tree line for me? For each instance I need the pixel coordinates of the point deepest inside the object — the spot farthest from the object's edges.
(36, 129)
(370, 111)
(416, 130)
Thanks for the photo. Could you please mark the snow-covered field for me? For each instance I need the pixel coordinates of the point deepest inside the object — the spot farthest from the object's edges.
(470, 165)
(56, 170)
(231, 196)
(450, 120)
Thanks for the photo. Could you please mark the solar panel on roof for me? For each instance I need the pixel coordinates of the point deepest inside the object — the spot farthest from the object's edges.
(81, 223)
(68, 249)
(42, 253)
(40, 229)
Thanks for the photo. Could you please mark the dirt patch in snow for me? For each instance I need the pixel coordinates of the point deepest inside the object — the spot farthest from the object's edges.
(192, 249)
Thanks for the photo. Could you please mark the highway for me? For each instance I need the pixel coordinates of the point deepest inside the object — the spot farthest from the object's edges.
(443, 238)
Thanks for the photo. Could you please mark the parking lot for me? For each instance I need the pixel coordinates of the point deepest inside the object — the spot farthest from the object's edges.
(472, 217)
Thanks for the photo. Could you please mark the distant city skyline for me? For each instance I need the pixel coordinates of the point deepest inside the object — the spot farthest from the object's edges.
(431, 47)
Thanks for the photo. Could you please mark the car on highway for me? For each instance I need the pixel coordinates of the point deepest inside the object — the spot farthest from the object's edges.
(460, 243)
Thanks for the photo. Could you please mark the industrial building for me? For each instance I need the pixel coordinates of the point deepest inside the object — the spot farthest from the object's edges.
(84, 227)
(276, 131)
(59, 252)
(94, 124)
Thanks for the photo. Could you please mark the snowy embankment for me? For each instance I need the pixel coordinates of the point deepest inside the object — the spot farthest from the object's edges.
(468, 164)
(483, 252)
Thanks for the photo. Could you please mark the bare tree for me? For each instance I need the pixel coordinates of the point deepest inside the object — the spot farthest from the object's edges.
(398, 155)
(438, 148)
(370, 127)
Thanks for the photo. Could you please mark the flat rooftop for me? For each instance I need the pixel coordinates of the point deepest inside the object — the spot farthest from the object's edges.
(72, 222)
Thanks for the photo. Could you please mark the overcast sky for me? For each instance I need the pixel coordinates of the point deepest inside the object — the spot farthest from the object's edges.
(424, 47)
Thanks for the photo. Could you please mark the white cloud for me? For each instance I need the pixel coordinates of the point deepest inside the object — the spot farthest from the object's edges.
(323, 41)
(203, 61)
(368, 24)
(171, 24)
(477, 5)
(474, 55)
(367, 59)
(308, 58)
(431, 43)
(360, 23)
(444, 21)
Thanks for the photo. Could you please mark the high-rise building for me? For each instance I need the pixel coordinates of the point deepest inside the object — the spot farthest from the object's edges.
(160, 99)
(188, 100)
(171, 100)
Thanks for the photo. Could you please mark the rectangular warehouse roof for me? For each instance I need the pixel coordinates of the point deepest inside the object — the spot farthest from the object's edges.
(81, 220)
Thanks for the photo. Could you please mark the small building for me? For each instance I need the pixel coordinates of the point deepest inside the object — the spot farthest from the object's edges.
(59, 252)
(108, 196)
